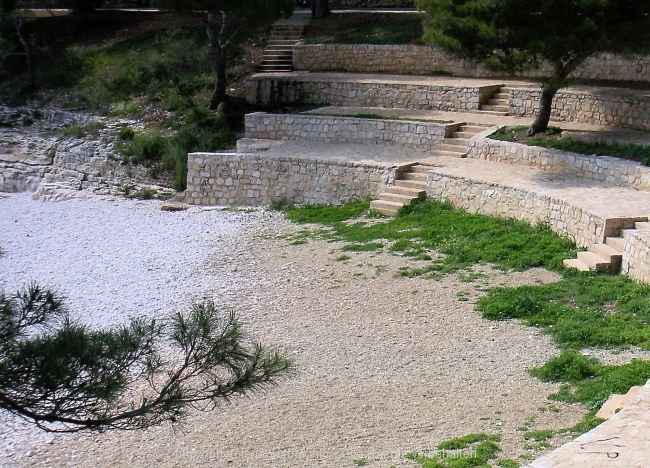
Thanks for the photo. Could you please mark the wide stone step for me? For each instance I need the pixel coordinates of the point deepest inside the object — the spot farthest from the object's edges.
(605, 251)
(397, 198)
(474, 129)
(617, 243)
(463, 135)
(593, 261)
(490, 112)
(278, 49)
(498, 102)
(282, 42)
(451, 154)
(385, 207)
(416, 184)
(421, 176)
(276, 62)
(575, 263)
(415, 193)
(274, 68)
(462, 142)
(422, 168)
(451, 148)
(501, 95)
(642, 225)
(489, 107)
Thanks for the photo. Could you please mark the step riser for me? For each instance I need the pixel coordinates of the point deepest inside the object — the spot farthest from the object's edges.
(411, 184)
(414, 193)
(617, 243)
(397, 198)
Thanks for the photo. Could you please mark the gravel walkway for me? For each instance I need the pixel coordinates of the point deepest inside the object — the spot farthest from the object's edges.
(385, 365)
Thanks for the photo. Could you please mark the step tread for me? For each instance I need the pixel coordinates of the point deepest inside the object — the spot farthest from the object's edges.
(499, 102)
(451, 148)
(414, 176)
(419, 168)
(575, 263)
(593, 260)
(618, 243)
(397, 198)
(496, 108)
(418, 184)
(453, 154)
(415, 192)
(606, 251)
(642, 225)
(490, 112)
(464, 135)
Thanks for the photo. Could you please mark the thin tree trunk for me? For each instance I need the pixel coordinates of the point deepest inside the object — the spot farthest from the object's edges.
(544, 113)
(319, 8)
(218, 57)
(28, 55)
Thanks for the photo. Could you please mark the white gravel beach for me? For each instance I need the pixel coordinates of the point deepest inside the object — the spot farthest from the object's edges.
(385, 365)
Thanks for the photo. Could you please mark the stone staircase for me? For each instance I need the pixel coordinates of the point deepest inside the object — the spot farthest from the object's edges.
(278, 55)
(498, 104)
(604, 257)
(411, 186)
(455, 146)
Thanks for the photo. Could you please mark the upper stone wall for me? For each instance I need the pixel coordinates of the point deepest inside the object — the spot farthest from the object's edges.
(426, 60)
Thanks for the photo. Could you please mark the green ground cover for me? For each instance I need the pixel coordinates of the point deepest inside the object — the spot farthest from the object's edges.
(553, 138)
(366, 28)
(581, 310)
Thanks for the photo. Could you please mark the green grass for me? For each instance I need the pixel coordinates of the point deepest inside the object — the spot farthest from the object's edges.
(581, 310)
(80, 131)
(552, 139)
(366, 28)
(464, 239)
(589, 382)
(473, 450)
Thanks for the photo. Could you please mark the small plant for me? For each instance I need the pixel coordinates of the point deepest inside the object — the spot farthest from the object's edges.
(342, 258)
(145, 193)
(280, 204)
(126, 133)
(360, 462)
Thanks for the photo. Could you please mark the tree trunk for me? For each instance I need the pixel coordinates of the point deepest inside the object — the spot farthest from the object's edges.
(28, 55)
(544, 113)
(218, 57)
(319, 8)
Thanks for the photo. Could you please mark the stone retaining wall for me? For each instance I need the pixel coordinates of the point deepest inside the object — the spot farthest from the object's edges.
(256, 179)
(606, 106)
(425, 60)
(264, 90)
(636, 255)
(604, 168)
(336, 129)
(494, 199)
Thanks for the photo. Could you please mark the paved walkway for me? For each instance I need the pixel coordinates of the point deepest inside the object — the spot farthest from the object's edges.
(580, 130)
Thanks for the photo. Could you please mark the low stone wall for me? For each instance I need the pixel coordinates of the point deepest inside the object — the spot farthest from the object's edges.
(494, 199)
(607, 106)
(425, 60)
(265, 90)
(255, 179)
(603, 168)
(336, 129)
(636, 255)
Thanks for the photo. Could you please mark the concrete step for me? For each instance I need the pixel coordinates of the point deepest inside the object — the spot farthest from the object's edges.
(278, 53)
(451, 148)
(642, 225)
(385, 207)
(456, 142)
(605, 251)
(412, 192)
(421, 168)
(289, 42)
(489, 107)
(452, 154)
(475, 129)
(593, 261)
(617, 243)
(499, 102)
(397, 198)
(279, 48)
(276, 62)
(489, 112)
(421, 176)
(415, 184)
(501, 95)
(463, 135)
(274, 68)
(575, 263)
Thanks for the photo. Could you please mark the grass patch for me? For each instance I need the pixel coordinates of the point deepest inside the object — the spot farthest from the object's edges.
(581, 310)
(589, 382)
(553, 138)
(473, 450)
(366, 28)
(464, 239)
(80, 131)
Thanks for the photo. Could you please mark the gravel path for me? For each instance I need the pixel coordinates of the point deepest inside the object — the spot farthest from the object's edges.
(385, 365)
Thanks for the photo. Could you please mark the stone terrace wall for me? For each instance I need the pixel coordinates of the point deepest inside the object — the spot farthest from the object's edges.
(425, 60)
(610, 107)
(507, 202)
(256, 179)
(636, 255)
(334, 129)
(265, 90)
(603, 168)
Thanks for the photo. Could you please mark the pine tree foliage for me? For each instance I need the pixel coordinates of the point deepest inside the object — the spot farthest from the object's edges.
(66, 377)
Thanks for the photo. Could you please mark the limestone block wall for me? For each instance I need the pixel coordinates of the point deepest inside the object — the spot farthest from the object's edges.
(338, 91)
(256, 179)
(608, 107)
(507, 202)
(636, 255)
(337, 129)
(603, 168)
(425, 60)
